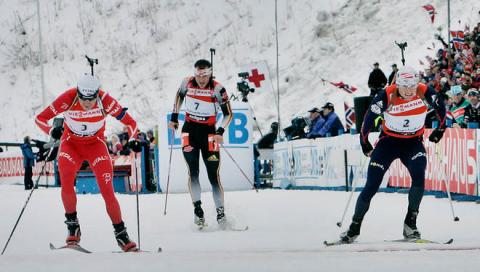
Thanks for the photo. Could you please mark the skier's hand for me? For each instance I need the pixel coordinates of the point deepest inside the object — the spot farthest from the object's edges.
(367, 148)
(436, 135)
(218, 139)
(173, 125)
(56, 132)
(135, 145)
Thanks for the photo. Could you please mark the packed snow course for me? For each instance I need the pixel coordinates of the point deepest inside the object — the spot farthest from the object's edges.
(286, 233)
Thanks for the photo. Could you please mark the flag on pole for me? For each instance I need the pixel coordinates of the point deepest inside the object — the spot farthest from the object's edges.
(431, 11)
(458, 38)
(258, 76)
(343, 86)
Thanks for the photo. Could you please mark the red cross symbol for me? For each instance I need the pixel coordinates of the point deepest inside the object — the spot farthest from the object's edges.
(256, 78)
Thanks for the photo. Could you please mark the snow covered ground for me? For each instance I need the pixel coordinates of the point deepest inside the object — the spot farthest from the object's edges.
(287, 230)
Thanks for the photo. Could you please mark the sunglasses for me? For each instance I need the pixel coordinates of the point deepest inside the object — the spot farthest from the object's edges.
(92, 98)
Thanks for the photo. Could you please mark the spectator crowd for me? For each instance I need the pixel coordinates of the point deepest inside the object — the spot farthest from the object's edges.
(455, 75)
(118, 142)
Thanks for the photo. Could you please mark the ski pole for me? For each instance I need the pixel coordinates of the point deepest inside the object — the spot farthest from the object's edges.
(136, 193)
(28, 199)
(444, 179)
(168, 173)
(212, 52)
(91, 62)
(354, 185)
(402, 48)
(239, 168)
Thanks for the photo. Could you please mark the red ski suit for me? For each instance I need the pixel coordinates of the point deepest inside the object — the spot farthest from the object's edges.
(83, 139)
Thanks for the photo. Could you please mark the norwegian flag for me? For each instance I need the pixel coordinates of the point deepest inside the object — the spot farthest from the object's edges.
(349, 116)
(458, 39)
(431, 11)
(343, 86)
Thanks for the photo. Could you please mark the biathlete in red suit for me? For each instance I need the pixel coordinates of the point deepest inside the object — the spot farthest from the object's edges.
(403, 106)
(85, 109)
(202, 96)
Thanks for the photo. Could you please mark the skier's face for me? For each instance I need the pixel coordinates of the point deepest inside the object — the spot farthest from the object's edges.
(87, 104)
(202, 80)
(202, 76)
(407, 93)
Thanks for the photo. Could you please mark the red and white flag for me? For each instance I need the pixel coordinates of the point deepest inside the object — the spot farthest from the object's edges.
(431, 11)
(343, 86)
(458, 39)
(258, 76)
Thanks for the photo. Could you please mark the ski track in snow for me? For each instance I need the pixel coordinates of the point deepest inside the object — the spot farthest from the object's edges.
(286, 233)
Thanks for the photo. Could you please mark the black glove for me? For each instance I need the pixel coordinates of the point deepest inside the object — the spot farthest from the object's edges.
(174, 119)
(56, 132)
(135, 145)
(175, 124)
(366, 147)
(436, 135)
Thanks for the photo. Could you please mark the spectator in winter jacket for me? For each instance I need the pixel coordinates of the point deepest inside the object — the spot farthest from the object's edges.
(327, 124)
(377, 80)
(269, 139)
(316, 123)
(116, 145)
(457, 109)
(125, 147)
(476, 79)
(428, 76)
(333, 125)
(391, 77)
(28, 162)
(151, 139)
(472, 111)
(124, 134)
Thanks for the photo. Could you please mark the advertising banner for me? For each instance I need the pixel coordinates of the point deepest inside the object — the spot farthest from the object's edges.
(452, 162)
(321, 162)
(237, 141)
(11, 168)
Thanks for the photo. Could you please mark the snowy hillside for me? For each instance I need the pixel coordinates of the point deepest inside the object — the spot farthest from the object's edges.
(146, 47)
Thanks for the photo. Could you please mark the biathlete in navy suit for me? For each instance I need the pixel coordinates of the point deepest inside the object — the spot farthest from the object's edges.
(403, 107)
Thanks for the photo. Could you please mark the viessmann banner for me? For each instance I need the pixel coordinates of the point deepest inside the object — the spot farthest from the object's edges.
(453, 161)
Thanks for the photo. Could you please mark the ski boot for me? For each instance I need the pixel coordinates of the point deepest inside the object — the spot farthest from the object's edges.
(199, 218)
(221, 219)
(73, 227)
(410, 230)
(352, 233)
(123, 240)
